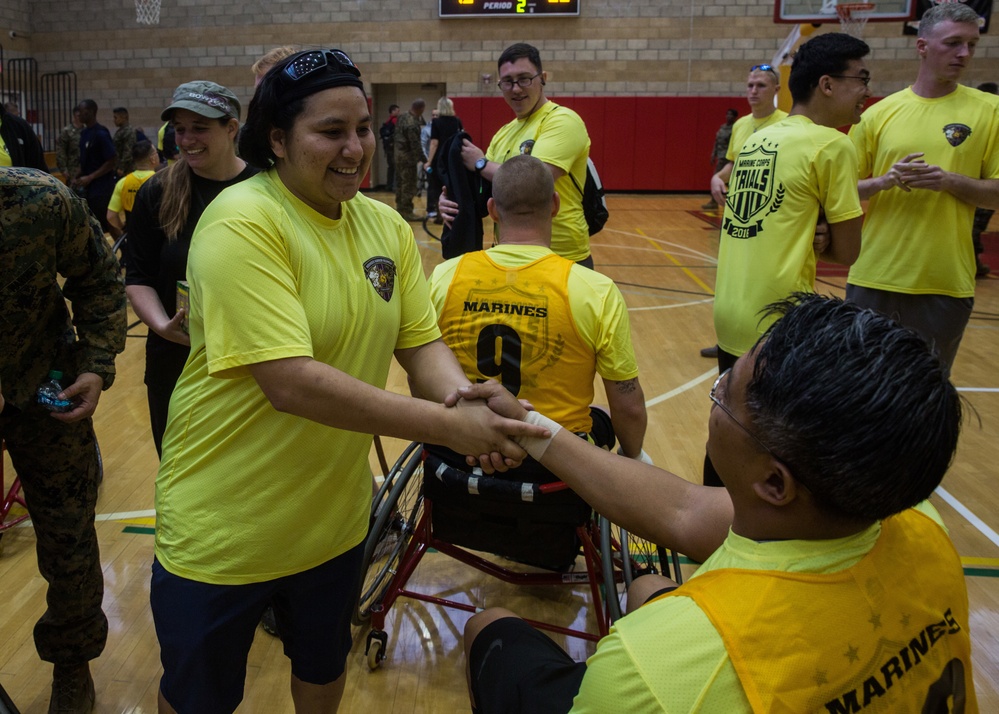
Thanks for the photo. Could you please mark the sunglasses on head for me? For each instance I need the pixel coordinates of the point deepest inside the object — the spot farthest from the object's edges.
(764, 68)
(308, 62)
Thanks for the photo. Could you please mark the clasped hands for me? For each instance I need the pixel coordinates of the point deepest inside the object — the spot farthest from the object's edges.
(913, 172)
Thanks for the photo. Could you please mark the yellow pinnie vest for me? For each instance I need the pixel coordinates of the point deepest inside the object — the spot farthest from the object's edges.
(881, 636)
(515, 325)
(130, 188)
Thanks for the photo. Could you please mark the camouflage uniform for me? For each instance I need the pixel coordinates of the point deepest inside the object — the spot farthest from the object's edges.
(46, 231)
(408, 153)
(124, 141)
(68, 151)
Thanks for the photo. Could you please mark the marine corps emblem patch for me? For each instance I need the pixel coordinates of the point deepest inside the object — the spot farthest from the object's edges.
(956, 133)
(381, 273)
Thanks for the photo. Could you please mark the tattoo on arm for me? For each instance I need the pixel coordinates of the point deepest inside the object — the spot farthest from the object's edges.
(627, 386)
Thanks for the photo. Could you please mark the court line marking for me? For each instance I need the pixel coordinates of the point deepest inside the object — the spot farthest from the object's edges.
(680, 248)
(669, 307)
(970, 517)
(686, 271)
(987, 390)
(682, 388)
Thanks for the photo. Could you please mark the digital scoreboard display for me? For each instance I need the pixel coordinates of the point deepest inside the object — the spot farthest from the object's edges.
(508, 8)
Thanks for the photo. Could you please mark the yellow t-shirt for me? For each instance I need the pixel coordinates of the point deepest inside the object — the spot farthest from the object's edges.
(746, 126)
(5, 159)
(246, 493)
(558, 324)
(123, 197)
(916, 242)
(781, 178)
(557, 136)
(632, 671)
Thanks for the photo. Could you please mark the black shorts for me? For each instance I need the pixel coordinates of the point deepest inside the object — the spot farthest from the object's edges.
(516, 668)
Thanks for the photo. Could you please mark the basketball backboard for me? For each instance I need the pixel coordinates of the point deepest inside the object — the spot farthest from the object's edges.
(822, 11)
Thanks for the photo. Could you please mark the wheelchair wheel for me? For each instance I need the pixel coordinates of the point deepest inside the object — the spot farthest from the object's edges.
(633, 557)
(395, 512)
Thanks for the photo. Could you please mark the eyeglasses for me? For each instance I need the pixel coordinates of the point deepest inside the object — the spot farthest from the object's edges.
(308, 62)
(866, 79)
(714, 398)
(524, 82)
(764, 68)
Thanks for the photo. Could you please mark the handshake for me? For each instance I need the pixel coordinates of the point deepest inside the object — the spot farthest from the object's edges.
(534, 434)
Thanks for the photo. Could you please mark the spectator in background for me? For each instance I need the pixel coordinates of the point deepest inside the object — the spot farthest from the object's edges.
(982, 215)
(205, 119)
(387, 134)
(12, 108)
(19, 145)
(718, 160)
(124, 140)
(96, 179)
(444, 125)
(268, 60)
(408, 156)
(68, 147)
(146, 160)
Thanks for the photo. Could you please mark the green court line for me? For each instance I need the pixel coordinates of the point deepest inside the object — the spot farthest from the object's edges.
(145, 530)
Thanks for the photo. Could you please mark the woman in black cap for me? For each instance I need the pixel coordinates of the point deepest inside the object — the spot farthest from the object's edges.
(302, 291)
(205, 117)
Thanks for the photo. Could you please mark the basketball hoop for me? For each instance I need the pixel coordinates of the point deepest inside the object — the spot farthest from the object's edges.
(147, 12)
(852, 17)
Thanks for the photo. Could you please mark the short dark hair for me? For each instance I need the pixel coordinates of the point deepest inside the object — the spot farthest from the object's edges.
(859, 407)
(143, 150)
(990, 87)
(518, 51)
(88, 104)
(393, 107)
(120, 110)
(826, 54)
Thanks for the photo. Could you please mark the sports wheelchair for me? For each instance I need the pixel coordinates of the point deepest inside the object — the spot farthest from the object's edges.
(426, 502)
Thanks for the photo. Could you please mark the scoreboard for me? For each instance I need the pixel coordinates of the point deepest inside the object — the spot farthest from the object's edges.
(508, 8)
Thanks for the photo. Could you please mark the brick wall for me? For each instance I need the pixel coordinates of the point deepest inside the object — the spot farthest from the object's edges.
(628, 48)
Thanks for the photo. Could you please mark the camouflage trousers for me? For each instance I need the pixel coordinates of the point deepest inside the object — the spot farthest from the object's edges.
(405, 182)
(58, 467)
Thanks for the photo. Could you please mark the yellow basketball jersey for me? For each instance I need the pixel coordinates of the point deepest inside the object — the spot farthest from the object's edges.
(882, 636)
(515, 325)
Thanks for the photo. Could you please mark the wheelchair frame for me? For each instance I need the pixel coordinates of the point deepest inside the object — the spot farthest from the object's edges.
(402, 533)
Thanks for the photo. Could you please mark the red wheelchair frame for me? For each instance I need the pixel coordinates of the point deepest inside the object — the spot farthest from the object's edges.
(402, 533)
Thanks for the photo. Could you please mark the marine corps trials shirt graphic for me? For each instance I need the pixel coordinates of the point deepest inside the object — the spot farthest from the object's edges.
(753, 193)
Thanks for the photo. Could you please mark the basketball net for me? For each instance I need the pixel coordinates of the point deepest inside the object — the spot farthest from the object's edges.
(852, 17)
(147, 12)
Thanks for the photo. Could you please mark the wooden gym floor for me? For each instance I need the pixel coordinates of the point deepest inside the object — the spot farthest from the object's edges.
(662, 252)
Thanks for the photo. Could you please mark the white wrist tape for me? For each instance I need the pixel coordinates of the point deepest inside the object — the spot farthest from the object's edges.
(536, 446)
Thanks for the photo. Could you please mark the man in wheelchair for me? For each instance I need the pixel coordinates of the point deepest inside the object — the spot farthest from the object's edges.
(828, 582)
(543, 327)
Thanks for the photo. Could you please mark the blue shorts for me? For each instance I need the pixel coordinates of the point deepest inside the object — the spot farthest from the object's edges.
(205, 631)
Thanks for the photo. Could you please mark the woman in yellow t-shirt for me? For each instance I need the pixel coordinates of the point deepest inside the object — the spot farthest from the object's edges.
(302, 291)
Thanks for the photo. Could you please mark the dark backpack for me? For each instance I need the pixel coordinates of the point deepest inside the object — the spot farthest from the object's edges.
(594, 203)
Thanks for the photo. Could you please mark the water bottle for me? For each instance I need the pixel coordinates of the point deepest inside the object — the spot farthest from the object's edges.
(48, 394)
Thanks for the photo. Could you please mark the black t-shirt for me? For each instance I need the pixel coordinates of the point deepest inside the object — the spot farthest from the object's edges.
(154, 261)
(443, 128)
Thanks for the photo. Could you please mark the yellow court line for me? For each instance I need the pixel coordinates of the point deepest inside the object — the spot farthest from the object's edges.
(987, 562)
(686, 271)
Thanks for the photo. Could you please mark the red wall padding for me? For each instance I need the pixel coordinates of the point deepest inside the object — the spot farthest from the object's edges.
(637, 143)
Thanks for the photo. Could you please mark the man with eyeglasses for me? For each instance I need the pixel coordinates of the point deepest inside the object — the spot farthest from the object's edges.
(784, 177)
(927, 158)
(828, 582)
(547, 131)
(762, 86)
